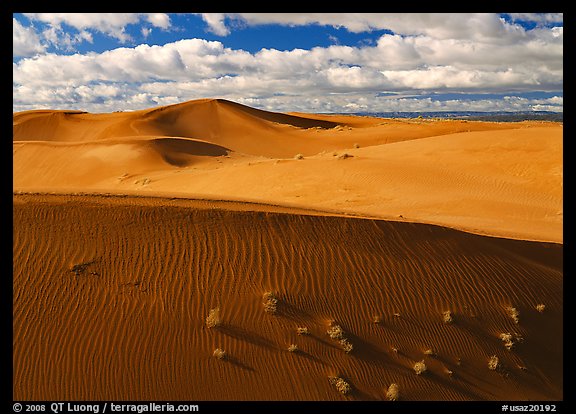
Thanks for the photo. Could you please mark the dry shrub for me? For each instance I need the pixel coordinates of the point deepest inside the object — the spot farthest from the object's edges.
(219, 353)
(493, 362)
(540, 307)
(293, 348)
(213, 319)
(447, 317)
(270, 302)
(420, 367)
(429, 351)
(346, 346)
(341, 385)
(507, 339)
(393, 393)
(302, 331)
(513, 313)
(299, 156)
(335, 332)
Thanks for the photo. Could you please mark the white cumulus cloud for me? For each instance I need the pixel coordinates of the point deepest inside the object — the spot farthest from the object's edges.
(25, 40)
(427, 53)
(111, 24)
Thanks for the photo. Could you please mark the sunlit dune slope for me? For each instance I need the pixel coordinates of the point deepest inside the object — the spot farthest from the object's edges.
(111, 296)
(501, 179)
(238, 127)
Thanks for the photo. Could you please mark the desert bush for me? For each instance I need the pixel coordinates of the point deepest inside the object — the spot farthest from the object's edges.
(341, 385)
(346, 345)
(302, 331)
(293, 348)
(219, 353)
(540, 307)
(335, 332)
(429, 351)
(493, 362)
(270, 302)
(447, 317)
(356, 145)
(393, 393)
(420, 367)
(299, 156)
(213, 319)
(507, 339)
(513, 313)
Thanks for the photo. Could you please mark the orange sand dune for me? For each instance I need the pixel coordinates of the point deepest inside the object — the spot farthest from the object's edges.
(111, 295)
(129, 227)
(501, 179)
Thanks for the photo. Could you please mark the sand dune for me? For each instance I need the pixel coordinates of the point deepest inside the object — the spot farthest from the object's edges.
(131, 323)
(129, 227)
(500, 179)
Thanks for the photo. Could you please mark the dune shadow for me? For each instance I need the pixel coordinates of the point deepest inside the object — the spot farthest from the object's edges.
(178, 151)
(239, 364)
(280, 118)
(366, 351)
(287, 310)
(247, 336)
(309, 356)
(325, 342)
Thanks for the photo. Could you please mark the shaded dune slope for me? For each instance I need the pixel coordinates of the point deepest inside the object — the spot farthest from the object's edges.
(129, 323)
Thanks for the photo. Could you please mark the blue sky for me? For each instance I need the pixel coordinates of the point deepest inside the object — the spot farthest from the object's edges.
(325, 62)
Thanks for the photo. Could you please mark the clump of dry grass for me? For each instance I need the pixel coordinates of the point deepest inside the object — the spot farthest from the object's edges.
(219, 353)
(302, 331)
(420, 367)
(540, 307)
(299, 156)
(293, 348)
(447, 317)
(213, 319)
(513, 313)
(270, 302)
(429, 351)
(377, 318)
(341, 385)
(507, 339)
(346, 346)
(493, 362)
(335, 332)
(393, 393)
